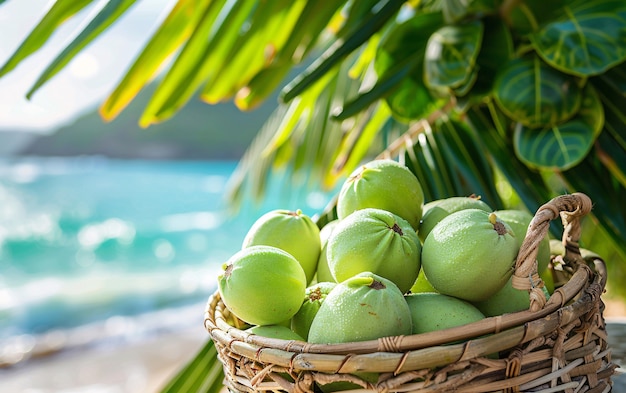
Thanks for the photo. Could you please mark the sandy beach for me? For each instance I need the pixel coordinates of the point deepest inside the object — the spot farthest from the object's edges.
(137, 367)
(143, 366)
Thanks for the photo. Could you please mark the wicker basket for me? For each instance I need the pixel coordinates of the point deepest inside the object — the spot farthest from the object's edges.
(558, 345)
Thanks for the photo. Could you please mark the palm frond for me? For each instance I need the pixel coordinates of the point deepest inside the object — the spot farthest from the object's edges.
(203, 373)
(341, 48)
(59, 13)
(171, 34)
(107, 16)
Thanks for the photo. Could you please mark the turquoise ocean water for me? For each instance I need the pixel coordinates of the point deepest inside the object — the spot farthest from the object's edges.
(128, 246)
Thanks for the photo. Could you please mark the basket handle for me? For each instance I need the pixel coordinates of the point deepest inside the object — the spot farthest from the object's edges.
(571, 208)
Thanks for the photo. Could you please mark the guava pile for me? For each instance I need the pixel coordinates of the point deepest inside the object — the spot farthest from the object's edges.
(389, 265)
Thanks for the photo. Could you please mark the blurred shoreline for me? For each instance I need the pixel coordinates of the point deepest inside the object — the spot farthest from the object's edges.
(121, 354)
(141, 366)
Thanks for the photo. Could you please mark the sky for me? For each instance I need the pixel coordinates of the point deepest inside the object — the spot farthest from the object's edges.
(86, 81)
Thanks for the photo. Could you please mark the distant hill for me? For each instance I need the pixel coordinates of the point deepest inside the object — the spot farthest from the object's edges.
(197, 132)
(12, 142)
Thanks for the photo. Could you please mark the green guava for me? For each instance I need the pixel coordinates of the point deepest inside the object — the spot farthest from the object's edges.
(262, 285)
(313, 299)
(469, 254)
(323, 271)
(444, 207)
(434, 311)
(519, 220)
(429, 205)
(422, 284)
(363, 307)
(507, 300)
(382, 184)
(291, 231)
(376, 241)
(275, 331)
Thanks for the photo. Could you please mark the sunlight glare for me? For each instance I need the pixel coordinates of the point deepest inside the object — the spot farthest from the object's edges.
(84, 66)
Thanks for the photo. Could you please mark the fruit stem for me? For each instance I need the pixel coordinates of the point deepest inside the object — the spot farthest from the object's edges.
(228, 268)
(493, 218)
(498, 226)
(361, 281)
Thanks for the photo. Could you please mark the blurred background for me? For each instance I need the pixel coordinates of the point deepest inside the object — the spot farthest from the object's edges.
(110, 234)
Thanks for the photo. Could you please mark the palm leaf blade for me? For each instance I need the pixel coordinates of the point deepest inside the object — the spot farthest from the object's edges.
(109, 14)
(221, 22)
(174, 30)
(204, 373)
(60, 12)
(340, 49)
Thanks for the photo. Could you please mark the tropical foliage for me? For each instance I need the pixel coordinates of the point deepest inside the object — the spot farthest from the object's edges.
(475, 96)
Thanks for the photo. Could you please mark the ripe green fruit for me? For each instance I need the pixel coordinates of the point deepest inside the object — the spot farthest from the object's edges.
(382, 184)
(506, 300)
(363, 307)
(519, 220)
(262, 285)
(435, 311)
(469, 254)
(313, 299)
(444, 207)
(323, 271)
(291, 231)
(376, 241)
(275, 331)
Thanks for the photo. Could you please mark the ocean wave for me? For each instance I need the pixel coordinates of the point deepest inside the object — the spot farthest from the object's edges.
(114, 330)
(57, 302)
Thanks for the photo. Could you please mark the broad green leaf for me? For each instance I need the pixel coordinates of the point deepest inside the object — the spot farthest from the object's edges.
(270, 27)
(451, 54)
(59, 13)
(172, 33)
(341, 48)
(526, 17)
(455, 10)
(496, 49)
(466, 87)
(588, 39)
(412, 100)
(219, 25)
(564, 145)
(535, 95)
(406, 43)
(202, 374)
(108, 15)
